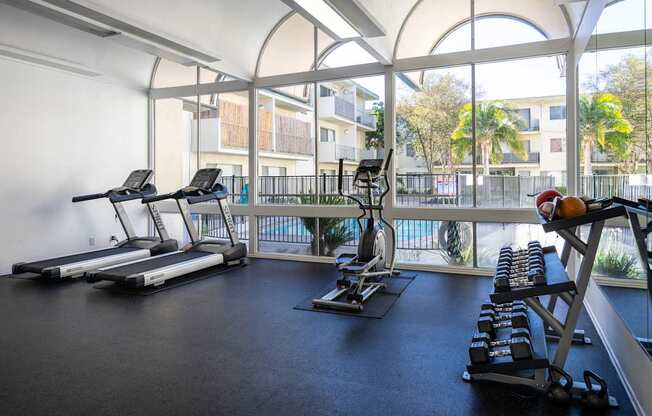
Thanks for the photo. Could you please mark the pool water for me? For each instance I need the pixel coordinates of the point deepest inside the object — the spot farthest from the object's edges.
(406, 230)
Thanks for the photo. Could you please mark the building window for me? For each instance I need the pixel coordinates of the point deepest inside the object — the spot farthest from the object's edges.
(326, 135)
(524, 115)
(325, 91)
(557, 112)
(555, 145)
(409, 150)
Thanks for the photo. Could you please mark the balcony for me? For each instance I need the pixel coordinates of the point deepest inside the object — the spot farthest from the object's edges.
(508, 158)
(334, 107)
(291, 136)
(346, 152)
(366, 119)
(330, 152)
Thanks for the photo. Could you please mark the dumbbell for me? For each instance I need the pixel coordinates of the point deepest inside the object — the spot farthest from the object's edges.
(506, 266)
(519, 349)
(505, 284)
(536, 275)
(486, 338)
(505, 315)
(502, 307)
(489, 325)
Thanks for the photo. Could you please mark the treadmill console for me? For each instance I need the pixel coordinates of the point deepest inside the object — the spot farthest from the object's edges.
(138, 179)
(206, 178)
(373, 166)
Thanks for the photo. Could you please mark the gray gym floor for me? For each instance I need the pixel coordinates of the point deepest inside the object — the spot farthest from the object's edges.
(233, 345)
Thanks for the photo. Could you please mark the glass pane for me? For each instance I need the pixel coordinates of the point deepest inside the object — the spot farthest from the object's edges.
(428, 242)
(175, 132)
(349, 53)
(351, 128)
(224, 141)
(493, 236)
(286, 145)
(337, 236)
(624, 16)
(432, 170)
(509, 22)
(213, 226)
(288, 235)
(520, 135)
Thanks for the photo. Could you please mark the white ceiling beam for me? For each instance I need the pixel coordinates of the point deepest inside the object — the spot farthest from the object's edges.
(329, 74)
(587, 24)
(378, 54)
(499, 53)
(201, 89)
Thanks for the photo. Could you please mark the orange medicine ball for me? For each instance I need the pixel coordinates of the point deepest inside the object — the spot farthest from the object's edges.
(571, 207)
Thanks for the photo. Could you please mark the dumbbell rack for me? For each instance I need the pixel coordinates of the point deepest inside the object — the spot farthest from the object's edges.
(534, 373)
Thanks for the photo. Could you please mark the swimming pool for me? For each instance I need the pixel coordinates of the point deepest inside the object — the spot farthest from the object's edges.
(292, 229)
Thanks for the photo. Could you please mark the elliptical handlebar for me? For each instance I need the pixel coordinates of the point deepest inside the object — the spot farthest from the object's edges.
(340, 174)
(387, 161)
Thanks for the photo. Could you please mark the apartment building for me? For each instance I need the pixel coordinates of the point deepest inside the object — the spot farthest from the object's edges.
(543, 136)
(286, 138)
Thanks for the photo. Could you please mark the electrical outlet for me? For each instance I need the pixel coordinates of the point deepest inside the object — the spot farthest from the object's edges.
(91, 241)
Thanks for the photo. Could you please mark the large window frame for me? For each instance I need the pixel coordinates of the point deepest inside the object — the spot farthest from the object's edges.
(472, 57)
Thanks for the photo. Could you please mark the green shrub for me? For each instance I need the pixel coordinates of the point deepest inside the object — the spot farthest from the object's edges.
(616, 264)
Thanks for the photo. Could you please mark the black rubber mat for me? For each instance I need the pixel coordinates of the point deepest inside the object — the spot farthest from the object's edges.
(234, 346)
(376, 306)
(170, 284)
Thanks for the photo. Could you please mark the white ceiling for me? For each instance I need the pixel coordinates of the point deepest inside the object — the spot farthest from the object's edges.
(235, 30)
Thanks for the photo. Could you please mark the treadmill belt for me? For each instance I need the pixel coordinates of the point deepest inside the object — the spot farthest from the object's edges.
(154, 263)
(37, 266)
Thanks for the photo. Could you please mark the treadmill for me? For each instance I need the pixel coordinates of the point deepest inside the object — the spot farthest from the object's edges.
(137, 186)
(200, 254)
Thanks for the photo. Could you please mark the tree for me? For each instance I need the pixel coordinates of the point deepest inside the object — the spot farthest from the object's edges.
(376, 139)
(626, 80)
(497, 124)
(427, 119)
(602, 124)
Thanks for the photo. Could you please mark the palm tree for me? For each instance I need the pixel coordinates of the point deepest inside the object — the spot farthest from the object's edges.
(603, 124)
(497, 124)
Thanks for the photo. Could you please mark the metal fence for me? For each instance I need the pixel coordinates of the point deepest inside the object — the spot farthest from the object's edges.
(410, 234)
(437, 190)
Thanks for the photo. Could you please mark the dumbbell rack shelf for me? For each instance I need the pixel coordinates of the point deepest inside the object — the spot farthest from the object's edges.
(557, 281)
(505, 367)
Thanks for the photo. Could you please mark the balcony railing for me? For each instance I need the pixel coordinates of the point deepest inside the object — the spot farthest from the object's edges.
(345, 152)
(344, 108)
(365, 118)
(532, 157)
(292, 137)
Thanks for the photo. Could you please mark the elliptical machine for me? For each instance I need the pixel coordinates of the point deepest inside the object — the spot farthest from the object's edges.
(363, 273)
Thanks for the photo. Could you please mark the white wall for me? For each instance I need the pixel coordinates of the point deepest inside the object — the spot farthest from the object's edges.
(61, 135)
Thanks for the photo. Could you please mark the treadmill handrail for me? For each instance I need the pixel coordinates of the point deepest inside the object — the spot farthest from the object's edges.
(89, 197)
